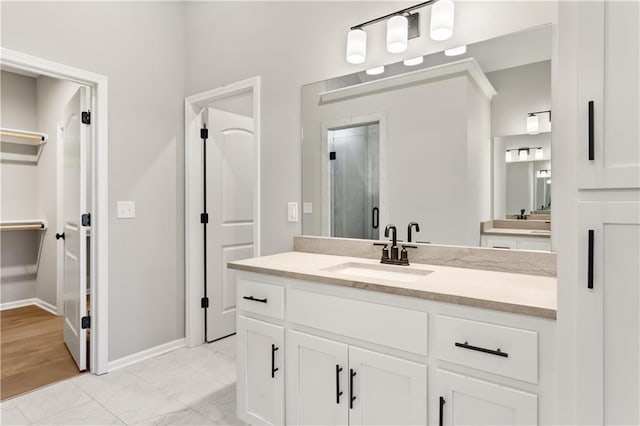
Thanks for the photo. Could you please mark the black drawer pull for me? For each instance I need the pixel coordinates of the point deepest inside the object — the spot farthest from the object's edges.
(58, 236)
(274, 348)
(352, 397)
(338, 391)
(592, 154)
(590, 261)
(255, 299)
(498, 352)
(441, 416)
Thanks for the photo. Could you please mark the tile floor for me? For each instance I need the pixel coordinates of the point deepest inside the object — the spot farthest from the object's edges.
(194, 386)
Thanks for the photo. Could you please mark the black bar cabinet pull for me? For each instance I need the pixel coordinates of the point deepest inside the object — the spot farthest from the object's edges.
(58, 236)
(497, 352)
(441, 412)
(338, 391)
(591, 133)
(254, 299)
(352, 397)
(375, 217)
(590, 261)
(274, 348)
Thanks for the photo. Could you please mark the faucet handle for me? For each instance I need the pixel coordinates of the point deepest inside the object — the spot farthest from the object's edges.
(381, 244)
(406, 246)
(385, 251)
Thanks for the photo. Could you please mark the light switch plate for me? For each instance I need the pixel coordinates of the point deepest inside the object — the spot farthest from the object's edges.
(307, 207)
(292, 212)
(126, 209)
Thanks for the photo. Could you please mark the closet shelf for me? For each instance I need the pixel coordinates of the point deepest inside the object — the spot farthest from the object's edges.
(21, 145)
(23, 225)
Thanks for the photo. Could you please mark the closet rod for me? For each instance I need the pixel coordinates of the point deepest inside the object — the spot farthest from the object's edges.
(23, 227)
(37, 138)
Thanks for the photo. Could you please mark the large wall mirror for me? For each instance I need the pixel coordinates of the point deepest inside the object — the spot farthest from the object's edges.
(449, 143)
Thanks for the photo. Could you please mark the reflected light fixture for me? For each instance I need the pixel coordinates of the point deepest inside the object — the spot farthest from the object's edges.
(397, 34)
(375, 71)
(539, 154)
(442, 20)
(460, 50)
(533, 124)
(413, 61)
(402, 26)
(508, 156)
(523, 154)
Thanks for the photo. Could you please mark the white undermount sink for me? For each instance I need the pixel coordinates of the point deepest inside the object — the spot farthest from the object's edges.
(405, 274)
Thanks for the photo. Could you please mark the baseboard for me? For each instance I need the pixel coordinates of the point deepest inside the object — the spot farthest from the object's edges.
(146, 354)
(29, 302)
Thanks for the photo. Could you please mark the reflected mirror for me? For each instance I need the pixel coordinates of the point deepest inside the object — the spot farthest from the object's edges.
(441, 143)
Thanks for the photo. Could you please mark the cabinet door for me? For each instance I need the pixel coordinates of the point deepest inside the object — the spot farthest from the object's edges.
(608, 319)
(386, 390)
(608, 61)
(317, 371)
(260, 359)
(500, 242)
(461, 400)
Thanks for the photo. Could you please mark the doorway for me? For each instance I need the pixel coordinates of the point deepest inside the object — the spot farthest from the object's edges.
(89, 253)
(222, 202)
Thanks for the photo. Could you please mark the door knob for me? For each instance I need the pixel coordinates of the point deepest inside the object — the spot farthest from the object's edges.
(58, 236)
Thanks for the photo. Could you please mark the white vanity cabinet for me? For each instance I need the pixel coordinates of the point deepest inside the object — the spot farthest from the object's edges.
(516, 242)
(464, 400)
(359, 357)
(608, 95)
(335, 383)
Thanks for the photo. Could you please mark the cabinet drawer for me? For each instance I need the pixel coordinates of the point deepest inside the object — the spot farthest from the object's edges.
(493, 348)
(391, 326)
(261, 298)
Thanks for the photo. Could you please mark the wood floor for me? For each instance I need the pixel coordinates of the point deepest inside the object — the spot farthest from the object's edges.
(32, 351)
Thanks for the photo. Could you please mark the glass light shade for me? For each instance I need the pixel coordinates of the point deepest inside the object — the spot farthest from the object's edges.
(375, 71)
(539, 153)
(523, 154)
(413, 61)
(397, 34)
(460, 50)
(549, 181)
(532, 124)
(356, 46)
(508, 156)
(442, 20)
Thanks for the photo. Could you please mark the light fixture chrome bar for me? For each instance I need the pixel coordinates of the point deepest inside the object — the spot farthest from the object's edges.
(399, 12)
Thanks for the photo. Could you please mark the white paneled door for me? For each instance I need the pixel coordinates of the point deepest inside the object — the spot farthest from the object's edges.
(76, 136)
(231, 177)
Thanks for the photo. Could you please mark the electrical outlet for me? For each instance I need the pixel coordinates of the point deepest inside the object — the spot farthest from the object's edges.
(292, 212)
(126, 209)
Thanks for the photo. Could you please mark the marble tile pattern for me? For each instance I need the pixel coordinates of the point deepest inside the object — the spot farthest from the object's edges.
(188, 386)
(480, 258)
(500, 291)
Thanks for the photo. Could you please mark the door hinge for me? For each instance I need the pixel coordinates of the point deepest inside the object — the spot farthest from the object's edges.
(204, 217)
(204, 302)
(86, 219)
(332, 155)
(86, 117)
(86, 322)
(204, 133)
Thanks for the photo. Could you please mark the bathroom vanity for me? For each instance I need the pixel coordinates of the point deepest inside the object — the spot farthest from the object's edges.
(332, 339)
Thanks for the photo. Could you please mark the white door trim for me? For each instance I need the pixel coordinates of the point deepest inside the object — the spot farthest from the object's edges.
(99, 342)
(194, 319)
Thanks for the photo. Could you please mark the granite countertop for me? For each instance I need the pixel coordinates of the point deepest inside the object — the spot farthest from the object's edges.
(501, 291)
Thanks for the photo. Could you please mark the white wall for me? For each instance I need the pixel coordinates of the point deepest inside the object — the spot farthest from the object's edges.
(140, 46)
(52, 95)
(18, 192)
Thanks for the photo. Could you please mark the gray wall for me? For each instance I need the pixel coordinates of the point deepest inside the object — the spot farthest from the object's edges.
(18, 189)
(141, 48)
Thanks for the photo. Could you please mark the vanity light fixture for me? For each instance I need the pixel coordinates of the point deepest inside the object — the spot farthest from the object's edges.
(544, 174)
(508, 156)
(460, 50)
(533, 125)
(442, 20)
(402, 26)
(539, 154)
(375, 71)
(413, 61)
(523, 154)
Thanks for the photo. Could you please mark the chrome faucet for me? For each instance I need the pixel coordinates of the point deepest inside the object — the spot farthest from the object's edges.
(392, 255)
